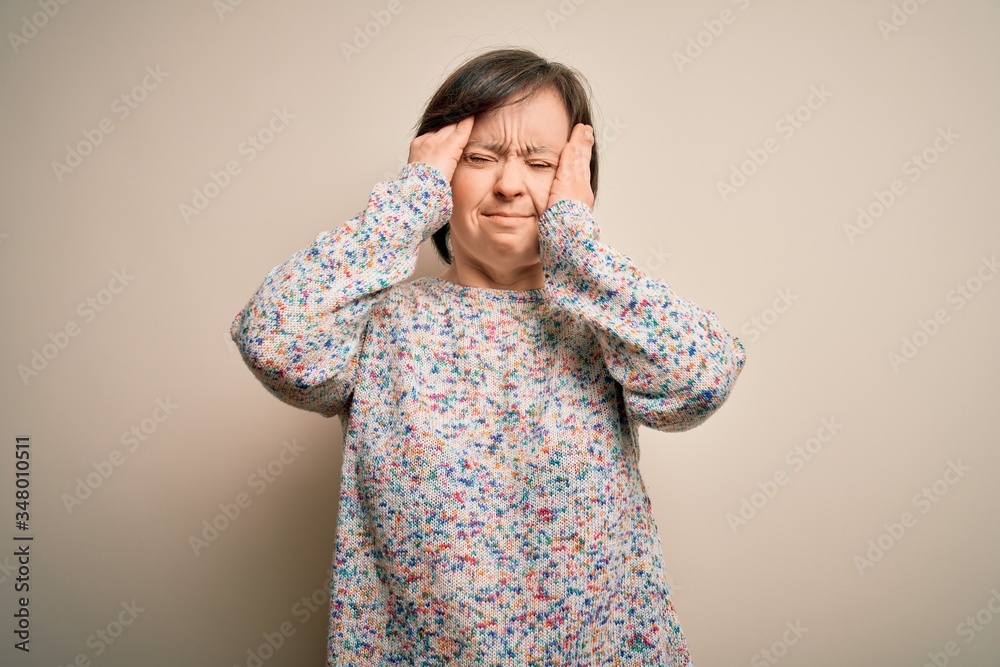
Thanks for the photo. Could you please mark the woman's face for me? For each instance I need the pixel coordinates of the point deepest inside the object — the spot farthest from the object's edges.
(507, 167)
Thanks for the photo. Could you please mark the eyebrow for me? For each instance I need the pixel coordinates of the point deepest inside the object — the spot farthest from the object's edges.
(498, 149)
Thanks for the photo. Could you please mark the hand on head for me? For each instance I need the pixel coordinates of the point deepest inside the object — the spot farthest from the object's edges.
(572, 179)
(443, 149)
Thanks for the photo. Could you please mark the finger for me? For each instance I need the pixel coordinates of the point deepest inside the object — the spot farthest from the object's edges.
(445, 132)
(578, 151)
(464, 126)
(579, 146)
(582, 134)
(585, 149)
(458, 125)
(454, 131)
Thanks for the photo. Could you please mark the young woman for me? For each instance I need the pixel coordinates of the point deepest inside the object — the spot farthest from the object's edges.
(491, 508)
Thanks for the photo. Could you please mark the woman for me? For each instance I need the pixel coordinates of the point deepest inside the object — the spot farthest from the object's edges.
(491, 508)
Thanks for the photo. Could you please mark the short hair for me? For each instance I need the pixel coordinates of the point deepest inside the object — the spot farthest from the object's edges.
(496, 79)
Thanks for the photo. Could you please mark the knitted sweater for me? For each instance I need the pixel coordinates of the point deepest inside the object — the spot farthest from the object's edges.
(491, 506)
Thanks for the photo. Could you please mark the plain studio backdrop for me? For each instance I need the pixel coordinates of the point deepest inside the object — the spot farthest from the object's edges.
(821, 175)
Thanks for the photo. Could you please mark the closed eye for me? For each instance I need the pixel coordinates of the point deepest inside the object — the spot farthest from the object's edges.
(479, 159)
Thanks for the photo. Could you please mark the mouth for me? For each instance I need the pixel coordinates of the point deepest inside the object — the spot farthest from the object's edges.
(507, 218)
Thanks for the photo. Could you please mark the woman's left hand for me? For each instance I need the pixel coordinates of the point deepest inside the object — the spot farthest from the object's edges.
(572, 179)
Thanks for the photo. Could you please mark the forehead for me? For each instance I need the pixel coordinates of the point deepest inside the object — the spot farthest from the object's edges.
(541, 118)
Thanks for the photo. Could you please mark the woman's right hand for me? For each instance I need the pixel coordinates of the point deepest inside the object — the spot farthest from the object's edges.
(443, 148)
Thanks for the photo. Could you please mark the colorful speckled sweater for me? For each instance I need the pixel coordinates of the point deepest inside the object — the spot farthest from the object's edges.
(491, 506)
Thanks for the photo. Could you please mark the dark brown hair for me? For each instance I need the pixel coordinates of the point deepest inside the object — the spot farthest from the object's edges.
(496, 79)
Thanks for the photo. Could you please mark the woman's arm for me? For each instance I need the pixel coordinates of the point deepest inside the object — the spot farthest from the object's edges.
(675, 361)
(303, 329)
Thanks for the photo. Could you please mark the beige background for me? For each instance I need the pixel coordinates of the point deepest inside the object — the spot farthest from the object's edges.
(669, 135)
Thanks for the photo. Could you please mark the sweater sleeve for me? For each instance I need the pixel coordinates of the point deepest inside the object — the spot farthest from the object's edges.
(302, 331)
(675, 362)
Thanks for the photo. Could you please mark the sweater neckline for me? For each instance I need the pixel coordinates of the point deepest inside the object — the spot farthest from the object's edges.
(470, 291)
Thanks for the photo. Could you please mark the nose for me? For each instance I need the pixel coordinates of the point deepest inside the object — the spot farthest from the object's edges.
(510, 180)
